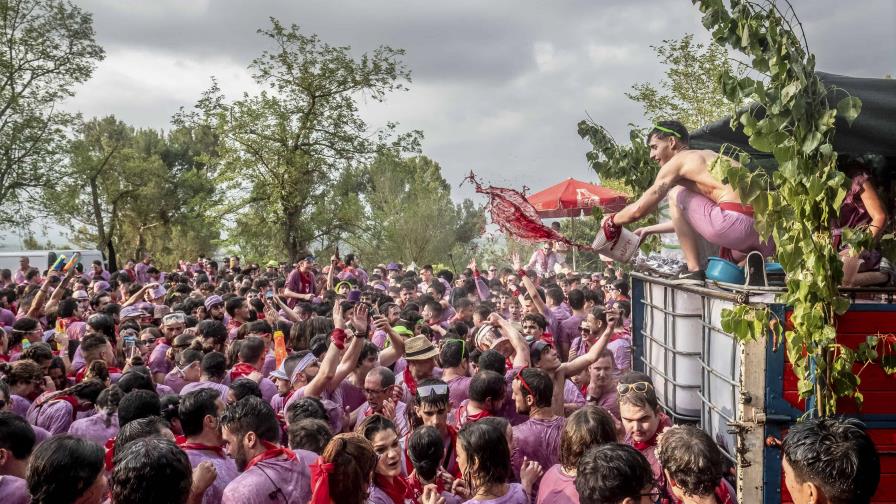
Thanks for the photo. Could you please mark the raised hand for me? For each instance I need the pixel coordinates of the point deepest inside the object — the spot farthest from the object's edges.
(338, 320)
(359, 318)
(515, 261)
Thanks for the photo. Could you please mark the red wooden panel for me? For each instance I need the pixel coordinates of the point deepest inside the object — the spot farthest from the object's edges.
(868, 322)
(874, 378)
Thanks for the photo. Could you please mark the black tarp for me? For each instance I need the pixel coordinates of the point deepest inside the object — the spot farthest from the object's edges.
(874, 131)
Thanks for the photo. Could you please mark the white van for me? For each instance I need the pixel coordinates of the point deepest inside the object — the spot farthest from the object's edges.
(43, 259)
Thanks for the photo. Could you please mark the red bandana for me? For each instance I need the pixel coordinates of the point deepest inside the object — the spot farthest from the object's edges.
(395, 489)
(110, 453)
(320, 481)
(272, 451)
(240, 370)
(409, 381)
(219, 451)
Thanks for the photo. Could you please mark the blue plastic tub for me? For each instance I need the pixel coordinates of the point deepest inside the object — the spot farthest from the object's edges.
(720, 270)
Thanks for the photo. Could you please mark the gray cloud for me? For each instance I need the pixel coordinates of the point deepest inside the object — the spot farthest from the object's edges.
(498, 86)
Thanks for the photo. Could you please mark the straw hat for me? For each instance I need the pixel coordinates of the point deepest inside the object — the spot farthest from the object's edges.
(419, 348)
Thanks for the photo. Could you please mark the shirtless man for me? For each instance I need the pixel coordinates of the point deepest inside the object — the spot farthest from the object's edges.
(699, 204)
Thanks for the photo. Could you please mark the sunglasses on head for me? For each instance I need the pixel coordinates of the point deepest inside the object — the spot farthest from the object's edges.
(639, 387)
(432, 390)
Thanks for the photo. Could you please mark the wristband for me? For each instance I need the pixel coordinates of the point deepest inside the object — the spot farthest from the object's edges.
(475, 273)
(521, 272)
(338, 337)
(516, 293)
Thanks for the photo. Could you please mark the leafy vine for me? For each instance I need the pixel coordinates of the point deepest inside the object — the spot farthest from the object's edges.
(793, 121)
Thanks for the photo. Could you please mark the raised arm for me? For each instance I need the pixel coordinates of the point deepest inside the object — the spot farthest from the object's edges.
(349, 361)
(582, 362)
(60, 290)
(139, 294)
(393, 352)
(331, 360)
(521, 349)
(481, 287)
(289, 312)
(665, 180)
(875, 209)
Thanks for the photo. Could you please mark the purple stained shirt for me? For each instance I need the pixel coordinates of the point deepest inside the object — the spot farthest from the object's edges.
(332, 402)
(572, 394)
(622, 355)
(539, 440)
(610, 402)
(140, 272)
(158, 362)
(459, 389)
(378, 496)
(556, 487)
(288, 480)
(307, 457)
(163, 390)
(94, 428)
(19, 405)
(352, 395)
(55, 416)
(270, 364)
(515, 495)
(7, 318)
(569, 330)
(175, 380)
(14, 490)
(224, 466)
(220, 387)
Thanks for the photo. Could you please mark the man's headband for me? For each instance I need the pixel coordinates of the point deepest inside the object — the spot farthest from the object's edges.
(667, 130)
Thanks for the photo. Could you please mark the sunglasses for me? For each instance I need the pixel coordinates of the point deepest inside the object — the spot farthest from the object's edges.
(639, 387)
(432, 390)
(585, 330)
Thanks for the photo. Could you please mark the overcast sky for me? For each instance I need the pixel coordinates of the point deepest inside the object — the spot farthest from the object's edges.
(498, 86)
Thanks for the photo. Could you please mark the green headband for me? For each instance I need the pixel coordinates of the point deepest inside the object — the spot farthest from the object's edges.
(666, 130)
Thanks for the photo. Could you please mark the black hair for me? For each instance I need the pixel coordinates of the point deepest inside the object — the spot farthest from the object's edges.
(541, 384)
(624, 306)
(138, 429)
(252, 414)
(373, 424)
(38, 352)
(596, 296)
(151, 471)
(453, 353)
(212, 329)
(487, 385)
(306, 408)
(538, 318)
(369, 350)
(233, 304)
(555, 294)
(102, 323)
(16, 435)
(576, 299)
(492, 360)
(621, 285)
(138, 404)
(425, 450)
(692, 459)
(837, 455)
(244, 387)
(214, 365)
(487, 450)
(135, 380)
(66, 307)
(194, 407)
(91, 343)
(309, 434)
(662, 129)
(612, 472)
(170, 404)
(252, 350)
(62, 468)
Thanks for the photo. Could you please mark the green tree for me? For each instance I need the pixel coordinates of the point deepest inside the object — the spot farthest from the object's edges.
(47, 48)
(692, 91)
(410, 215)
(117, 192)
(286, 152)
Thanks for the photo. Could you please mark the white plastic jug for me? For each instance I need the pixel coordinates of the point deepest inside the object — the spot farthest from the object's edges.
(622, 249)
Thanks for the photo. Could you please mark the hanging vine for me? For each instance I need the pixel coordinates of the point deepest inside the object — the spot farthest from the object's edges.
(795, 123)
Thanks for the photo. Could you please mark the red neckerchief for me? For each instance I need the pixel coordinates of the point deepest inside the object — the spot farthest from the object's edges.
(415, 486)
(203, 447)
(240, 370)
(723, 495)
(395, 489)
(272, 451)
(4, 357)
(643, 445)
(305, 282)
(463, 416)
(409, 381)
(110, 453)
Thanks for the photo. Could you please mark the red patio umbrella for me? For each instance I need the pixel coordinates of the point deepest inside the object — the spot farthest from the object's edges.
(572, 198)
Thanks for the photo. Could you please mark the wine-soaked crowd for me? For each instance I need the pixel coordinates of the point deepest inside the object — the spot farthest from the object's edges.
(223, 383)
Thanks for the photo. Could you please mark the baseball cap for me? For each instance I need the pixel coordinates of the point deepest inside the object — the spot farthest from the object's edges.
(392, 267)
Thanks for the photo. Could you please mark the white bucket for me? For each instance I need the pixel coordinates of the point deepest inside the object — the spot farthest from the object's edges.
(624, 248)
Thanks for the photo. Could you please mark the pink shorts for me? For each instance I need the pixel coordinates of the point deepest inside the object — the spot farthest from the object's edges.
(725, 228)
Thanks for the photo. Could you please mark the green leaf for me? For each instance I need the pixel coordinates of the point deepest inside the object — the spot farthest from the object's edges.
(849, 108)
(811, 142)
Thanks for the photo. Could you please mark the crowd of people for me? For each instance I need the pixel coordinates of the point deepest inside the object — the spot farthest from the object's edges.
(223, 383)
